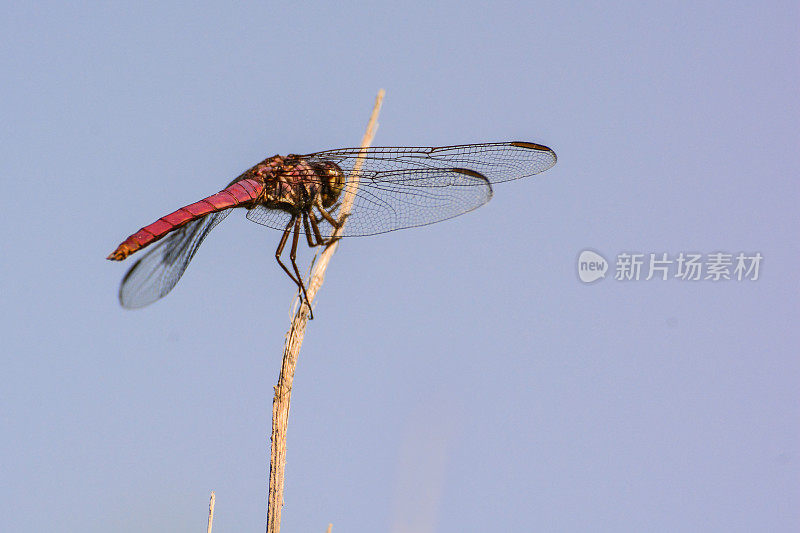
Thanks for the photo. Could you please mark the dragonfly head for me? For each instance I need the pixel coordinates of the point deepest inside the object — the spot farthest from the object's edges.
(332, 182)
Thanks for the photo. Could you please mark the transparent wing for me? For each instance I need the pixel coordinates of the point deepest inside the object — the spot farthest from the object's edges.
(160, 268)
(402, 187)
(404, 200)
(496, 161)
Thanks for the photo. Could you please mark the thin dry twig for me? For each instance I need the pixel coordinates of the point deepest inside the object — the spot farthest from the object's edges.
(294, 339)
(211, 512)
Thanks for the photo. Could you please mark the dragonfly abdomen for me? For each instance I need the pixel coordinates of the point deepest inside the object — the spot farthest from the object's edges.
(236, 194)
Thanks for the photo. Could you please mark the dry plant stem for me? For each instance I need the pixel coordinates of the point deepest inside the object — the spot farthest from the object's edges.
(294, 339)
(211, 512)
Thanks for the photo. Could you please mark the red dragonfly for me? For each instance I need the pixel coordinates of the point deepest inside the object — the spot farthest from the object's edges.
(396, 188)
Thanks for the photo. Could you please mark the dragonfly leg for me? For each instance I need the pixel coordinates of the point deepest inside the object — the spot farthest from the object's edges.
(311, 243)
(281, 245)
(327, 216)
(292, 258)
(332, 209)
(322, 241)
(315, 227)
(279, 251)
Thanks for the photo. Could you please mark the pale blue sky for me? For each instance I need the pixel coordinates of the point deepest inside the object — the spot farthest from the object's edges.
(458, 377)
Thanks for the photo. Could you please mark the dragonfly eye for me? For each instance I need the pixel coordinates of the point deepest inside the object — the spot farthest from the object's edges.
(334, 183)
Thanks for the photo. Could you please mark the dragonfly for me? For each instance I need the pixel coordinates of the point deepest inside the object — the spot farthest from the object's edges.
(327, 195)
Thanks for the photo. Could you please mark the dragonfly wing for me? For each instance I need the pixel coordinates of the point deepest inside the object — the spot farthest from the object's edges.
(400, 198)
(403, 187)
(503, 161)
(160, 268)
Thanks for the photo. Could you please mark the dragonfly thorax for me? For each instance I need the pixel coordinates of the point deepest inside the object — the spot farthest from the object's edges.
(295, 184)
